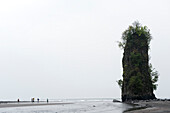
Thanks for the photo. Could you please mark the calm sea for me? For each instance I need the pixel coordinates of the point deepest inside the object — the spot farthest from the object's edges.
(78, 106)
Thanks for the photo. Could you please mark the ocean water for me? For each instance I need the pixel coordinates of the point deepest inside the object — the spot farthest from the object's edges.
(77, 106)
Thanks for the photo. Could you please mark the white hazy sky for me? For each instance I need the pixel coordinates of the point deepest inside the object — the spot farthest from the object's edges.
(68, 49)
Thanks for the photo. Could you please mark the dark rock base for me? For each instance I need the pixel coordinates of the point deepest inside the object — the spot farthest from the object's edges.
(143, 97)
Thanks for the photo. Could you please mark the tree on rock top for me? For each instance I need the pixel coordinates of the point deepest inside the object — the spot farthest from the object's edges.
(138, 76)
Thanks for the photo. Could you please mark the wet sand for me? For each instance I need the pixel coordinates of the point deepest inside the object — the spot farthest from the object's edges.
(151, 107)
(65, 107)
(24, 104)
(141, 106)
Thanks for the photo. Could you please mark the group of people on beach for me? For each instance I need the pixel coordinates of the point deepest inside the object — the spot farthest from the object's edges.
(32, 100)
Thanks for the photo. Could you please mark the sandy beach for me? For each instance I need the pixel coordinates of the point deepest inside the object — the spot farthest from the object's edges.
(66, 106)
(86, 106)
(24, 104)
(152, 107)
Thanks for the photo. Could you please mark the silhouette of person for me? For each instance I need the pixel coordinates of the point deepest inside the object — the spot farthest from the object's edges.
(32, 99)
(38, 99)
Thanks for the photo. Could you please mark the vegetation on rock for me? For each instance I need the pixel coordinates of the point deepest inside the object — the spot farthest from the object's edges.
(139, 78)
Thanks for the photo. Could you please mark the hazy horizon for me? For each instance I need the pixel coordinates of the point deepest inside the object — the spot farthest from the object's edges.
(68, 49)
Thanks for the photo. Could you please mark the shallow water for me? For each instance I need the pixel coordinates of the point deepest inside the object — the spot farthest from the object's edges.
(78, 106)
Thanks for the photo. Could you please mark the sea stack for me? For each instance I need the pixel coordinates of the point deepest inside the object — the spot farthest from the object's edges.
(137, 82)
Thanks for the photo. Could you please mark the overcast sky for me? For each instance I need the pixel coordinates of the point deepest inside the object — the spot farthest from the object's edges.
(68, 49)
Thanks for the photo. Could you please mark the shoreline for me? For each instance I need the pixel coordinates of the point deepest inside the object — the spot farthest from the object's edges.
(150, 106)
(25, 104)
(142, 106)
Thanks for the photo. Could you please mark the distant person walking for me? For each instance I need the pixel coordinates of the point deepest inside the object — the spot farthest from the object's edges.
(38, 99)
(47, 100)
(18, 100)
(32, 99)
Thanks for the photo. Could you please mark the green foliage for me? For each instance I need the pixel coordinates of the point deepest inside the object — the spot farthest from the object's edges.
(136, 84)
(121, 45)
(136, 58)
(120, 83)
(154, 76)
(138, 30)
(137, 36)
